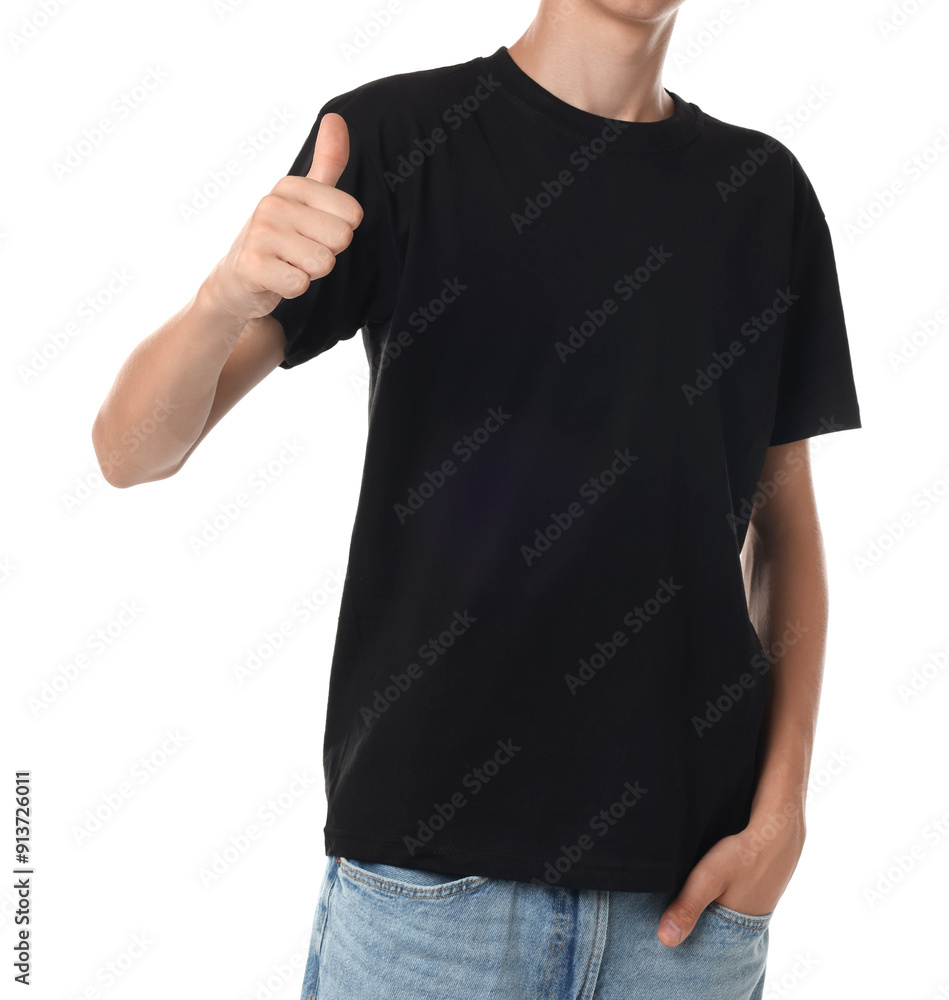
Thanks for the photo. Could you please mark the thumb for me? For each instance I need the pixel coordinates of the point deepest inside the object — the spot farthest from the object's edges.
(330, 151)
(707, 880)
(680, 916)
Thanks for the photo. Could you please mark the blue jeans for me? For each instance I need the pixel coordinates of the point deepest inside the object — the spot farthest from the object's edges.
(383, 932)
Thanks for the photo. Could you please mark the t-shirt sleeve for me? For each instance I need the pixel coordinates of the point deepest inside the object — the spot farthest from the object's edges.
(361, 287)
(816, 391)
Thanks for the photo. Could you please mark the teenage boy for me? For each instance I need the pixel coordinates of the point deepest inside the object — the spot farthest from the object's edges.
(579, 653)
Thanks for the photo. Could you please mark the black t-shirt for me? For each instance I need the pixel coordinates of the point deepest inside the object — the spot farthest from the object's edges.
(582, 336)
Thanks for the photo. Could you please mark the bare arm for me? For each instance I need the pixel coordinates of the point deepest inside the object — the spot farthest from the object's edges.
(786, 581)
(180, 380)
(176, 385)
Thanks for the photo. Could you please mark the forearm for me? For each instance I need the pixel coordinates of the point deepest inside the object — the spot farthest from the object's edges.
(162, 395)
(787, 589)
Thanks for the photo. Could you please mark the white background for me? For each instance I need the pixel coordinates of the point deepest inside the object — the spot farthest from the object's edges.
(75, 549)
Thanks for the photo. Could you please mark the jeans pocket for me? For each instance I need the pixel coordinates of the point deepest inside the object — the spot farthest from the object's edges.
(749, 921)
(420, 883)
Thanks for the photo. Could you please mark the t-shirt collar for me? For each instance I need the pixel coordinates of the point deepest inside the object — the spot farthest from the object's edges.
(582, 123)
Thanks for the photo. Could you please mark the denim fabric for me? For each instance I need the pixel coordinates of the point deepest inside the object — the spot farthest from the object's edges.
(384, 932)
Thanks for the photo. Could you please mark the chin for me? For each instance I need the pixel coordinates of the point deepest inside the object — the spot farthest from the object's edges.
(639, 10)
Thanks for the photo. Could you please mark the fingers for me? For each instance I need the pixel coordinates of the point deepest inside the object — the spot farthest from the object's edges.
(319, 226)
(313, 258)
(307, 239)
(282, 277)
(326, 199)
(330, 151)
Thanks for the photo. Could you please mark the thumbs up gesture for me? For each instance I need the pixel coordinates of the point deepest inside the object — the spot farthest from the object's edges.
(293, 236)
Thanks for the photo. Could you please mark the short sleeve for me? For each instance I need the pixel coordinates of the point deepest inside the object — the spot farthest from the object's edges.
(816, 391)
(361, 287)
